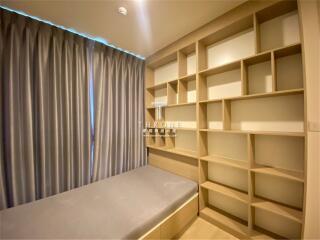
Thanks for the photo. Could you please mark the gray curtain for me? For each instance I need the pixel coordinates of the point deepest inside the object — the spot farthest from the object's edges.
(119, 112)
(45, 134)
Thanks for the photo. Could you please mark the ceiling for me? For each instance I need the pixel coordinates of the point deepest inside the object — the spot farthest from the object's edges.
(149, 26)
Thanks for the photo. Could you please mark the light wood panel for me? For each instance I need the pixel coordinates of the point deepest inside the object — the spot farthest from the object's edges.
(246, 87)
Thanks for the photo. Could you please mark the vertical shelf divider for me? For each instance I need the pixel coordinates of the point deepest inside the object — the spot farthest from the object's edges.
(244, 79)
(274, 72)
(251, 181)
(256, 33)
(226, 114)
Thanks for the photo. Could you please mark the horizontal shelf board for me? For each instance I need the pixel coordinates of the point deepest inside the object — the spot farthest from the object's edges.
(220, 69)
(181, 152)
(189, 77)
(229, 192)
(258, 58)
(259, 95)
(283, 173)
(289, 213)
(180, 104)
(276, 133)
(158, 86)
(220, 219)
(186, 129)
(173, 105)
(287, 51)
(161, 85)
(226, 161)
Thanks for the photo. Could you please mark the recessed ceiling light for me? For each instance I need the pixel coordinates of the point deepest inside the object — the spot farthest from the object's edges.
(123, 11)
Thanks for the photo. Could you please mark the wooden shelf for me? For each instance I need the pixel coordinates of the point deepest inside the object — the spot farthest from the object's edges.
(180, 104)
(161, 85)
(251, 59)
(226, 161)
(275, 133)
(186, 129)
(289, 213)
(259, 95)
(181, 152)
(220, 69)
(282, 173)
(158, 86)
(256, 77)
(223, 221)
(173, 105)
(189, 77)
(229, 192)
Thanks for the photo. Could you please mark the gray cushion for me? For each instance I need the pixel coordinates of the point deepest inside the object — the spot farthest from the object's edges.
(124, 206)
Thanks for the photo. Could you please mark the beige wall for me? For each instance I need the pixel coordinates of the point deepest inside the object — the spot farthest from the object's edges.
(309, 12)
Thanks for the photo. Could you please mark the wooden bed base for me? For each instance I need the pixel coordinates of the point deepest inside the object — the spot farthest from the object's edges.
(172, 225)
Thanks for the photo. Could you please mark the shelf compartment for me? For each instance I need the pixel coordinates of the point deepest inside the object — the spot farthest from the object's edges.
(278, 25)
(172, 92)
(221, 82)
(281, 190)
(223, 221)
(288, 68)
(227, 146)
(187, 90)
(227, 44)
(226, 162)
(289, 213)
(181, 116)
(181, 152)
(277, 114)
(187, 60)
(257, 74)
(282, 173)
(288, 152)
(211, 115)
(229, 192)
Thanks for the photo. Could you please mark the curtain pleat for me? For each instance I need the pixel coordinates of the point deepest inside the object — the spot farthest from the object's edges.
(119, 114)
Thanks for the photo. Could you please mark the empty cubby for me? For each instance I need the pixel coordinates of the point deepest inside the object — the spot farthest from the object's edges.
(258, 74)
(227, 45)
(280, 190)
(287, 154)
(164, 70)
(186, 140)
(160, 137)
(187, 89)
(156, 95)
(221, 82)
(211, 115)
(229, 205)
(276, 224)
(288, 68)
(187, 60)
(172, 91)
(227, 145)
(278, 26)
(278, 113)
(181, 116)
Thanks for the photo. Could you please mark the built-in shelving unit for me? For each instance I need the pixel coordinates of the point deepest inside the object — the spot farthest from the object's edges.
(236, 99)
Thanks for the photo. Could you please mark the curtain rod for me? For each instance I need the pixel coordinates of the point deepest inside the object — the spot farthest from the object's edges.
(96, 39)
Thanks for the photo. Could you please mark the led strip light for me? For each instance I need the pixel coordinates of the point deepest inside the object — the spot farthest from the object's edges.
(96, 39)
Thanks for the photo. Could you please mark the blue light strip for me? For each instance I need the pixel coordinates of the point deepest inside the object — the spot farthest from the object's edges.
(96, 39)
